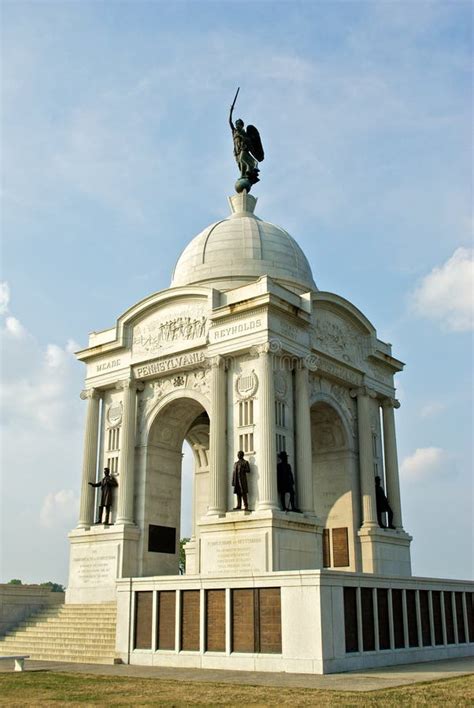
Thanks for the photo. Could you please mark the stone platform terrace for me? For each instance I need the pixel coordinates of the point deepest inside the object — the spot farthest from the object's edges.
(367, 680)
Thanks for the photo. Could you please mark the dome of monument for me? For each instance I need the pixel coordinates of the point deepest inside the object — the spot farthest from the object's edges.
(240, 249)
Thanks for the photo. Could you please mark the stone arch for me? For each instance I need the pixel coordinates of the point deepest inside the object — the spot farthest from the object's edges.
(347, 422)
(181, 414)
(168, 398)
(335, 481)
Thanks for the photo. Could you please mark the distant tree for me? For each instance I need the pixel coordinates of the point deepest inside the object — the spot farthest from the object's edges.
(15, 581)
(182, 555)
(55, 587)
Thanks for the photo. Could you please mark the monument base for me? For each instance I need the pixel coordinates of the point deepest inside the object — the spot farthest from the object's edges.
(385, 551)
(255, 542)
(99, 555)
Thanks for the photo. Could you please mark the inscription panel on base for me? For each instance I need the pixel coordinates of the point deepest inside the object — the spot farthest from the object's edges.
(229, 554)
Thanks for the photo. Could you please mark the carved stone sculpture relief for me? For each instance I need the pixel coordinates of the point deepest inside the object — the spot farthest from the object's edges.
(246, 384)
(171, 326)
(337, 337)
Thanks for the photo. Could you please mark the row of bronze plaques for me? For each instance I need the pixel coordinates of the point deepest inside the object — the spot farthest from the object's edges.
(441, 605)
(255, 620)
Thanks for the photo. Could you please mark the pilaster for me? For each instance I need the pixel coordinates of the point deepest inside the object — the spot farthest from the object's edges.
(217, 438)
(304, 468)
(89, 458)
(366, 461)
(392, 480)
(267, 493)
(126, 463)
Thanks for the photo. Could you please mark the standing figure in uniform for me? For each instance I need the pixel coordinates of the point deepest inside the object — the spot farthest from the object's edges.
(382, 505)
(239, 481)
(285, 482)
(107, 483)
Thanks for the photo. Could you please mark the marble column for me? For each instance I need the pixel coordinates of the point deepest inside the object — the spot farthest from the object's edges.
(267, 491)
(217, 439)
(126, 463)
(304, 462)
(392, 480)
(89, 458)
(366, 459)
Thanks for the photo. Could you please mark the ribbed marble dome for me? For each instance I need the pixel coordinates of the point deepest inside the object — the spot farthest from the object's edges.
(240, 249)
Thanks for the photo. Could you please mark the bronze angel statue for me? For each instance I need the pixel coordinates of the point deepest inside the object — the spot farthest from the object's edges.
(248, 151)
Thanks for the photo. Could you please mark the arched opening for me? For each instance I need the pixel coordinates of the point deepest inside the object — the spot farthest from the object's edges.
(170, 487)
(335, 486)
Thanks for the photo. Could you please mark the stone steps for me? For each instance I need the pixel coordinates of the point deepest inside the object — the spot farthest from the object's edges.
(53, 642)
(75, 633)
(66, 632)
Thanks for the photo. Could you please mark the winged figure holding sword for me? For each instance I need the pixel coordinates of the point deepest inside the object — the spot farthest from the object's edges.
(248, 151)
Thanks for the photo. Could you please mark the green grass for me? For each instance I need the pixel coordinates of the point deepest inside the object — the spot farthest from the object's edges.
(48, 688)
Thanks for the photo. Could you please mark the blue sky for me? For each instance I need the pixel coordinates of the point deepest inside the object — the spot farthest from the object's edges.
(116, 152)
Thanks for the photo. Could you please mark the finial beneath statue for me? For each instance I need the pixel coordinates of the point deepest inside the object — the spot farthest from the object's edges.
(248, 151)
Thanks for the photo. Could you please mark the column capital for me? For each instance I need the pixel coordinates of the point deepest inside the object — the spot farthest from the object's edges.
(309, 362)
(273, 346)
(88, 393)
(216, 361)
(127, 384)
(390, 402)
(363, 391)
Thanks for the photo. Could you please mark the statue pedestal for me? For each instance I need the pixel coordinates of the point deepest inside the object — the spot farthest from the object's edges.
(244, 543)
(385, 551)
(99, 555)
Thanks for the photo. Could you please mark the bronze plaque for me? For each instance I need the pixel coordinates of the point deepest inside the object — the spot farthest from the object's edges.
(326, 549)
(166, 619)
(411, 617)
(215, 620)
(397, 609)
(161, 539)
(350, 619)
(243, 621)
(340, 548)
(460, 618)
(470, 615)
(190, 620)
(269, 612)
(143, 618)
(438, 627)
(384, 627)
(425, 618)
(368, 624)
(449, 617)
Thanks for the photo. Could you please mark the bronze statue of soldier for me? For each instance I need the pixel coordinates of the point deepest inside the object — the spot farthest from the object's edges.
(285, 482)
(239, 481)
(382, 505)
(106, 484)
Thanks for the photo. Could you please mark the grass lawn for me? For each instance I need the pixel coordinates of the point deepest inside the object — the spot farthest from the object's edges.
(37, 688)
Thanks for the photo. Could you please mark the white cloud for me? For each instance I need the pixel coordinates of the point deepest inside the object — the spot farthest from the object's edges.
(41, 433)
(14, 328)
(59, 509)
(447, 293)
(432, 409)
(424, 462)
(4, 297)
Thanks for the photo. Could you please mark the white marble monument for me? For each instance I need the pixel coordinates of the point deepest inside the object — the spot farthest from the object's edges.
(242, 352)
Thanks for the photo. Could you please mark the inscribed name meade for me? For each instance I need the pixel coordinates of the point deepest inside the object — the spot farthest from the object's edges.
(175, 362)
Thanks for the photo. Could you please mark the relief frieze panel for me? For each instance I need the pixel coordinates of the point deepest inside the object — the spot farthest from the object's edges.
(379, 372)
(339, 338)
(171, 326)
